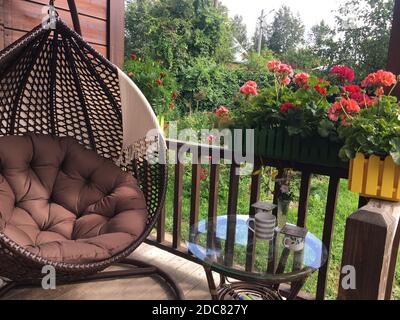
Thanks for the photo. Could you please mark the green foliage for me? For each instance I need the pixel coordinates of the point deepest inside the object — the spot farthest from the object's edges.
(257, 62)
(321, 42)
(302, 59)
(239, 30)
(206, 85)
(175, 31)
(286, 31)
(360, 38)
(156, 83)
(375, 131)
(196, 121)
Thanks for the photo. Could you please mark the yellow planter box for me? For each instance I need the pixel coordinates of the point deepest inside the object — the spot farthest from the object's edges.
(375, 178)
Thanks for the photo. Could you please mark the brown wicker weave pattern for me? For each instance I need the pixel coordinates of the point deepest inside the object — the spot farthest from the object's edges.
(57, 84)
(53, 82)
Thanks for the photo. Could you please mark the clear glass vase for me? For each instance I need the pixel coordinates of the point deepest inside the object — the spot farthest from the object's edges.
(283, 210)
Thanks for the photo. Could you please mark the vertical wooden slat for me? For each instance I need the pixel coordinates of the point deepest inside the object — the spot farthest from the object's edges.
(161, 227)
(303, 201)
(178, 190)
(277, 188)
(272, 258)
(232, 211)
(116, 26)
(213, 197)
(233, 190)
(329, 223)
(195, 192)
(372, 178)
(389, 169)
(213, 204)
(356, 176)
(254, 197)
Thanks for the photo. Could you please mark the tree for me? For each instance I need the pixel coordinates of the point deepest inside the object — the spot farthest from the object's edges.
(303, 59)
(239, 30)
(286, 32)
(176, 31)
(321, 42)
(363, 27)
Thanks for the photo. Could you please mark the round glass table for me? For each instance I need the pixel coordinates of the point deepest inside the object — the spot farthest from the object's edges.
(250, 268)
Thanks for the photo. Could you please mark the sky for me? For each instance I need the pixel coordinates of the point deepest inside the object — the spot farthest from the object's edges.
(311, 11)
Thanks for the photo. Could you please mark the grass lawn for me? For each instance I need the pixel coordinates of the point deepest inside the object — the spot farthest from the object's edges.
(347, 204)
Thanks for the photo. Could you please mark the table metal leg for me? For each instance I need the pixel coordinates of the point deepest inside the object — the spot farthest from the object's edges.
(211, 284)
(269, 292)
(295, 289)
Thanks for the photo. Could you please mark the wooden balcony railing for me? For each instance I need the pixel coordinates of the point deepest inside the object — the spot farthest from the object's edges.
(307, 171)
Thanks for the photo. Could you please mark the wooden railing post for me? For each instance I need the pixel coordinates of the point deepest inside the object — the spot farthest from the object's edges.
(370, 249)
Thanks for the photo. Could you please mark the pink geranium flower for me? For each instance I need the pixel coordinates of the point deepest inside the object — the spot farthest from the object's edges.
(221, 111)
(249, 88)
(343, 110)
(273, 65)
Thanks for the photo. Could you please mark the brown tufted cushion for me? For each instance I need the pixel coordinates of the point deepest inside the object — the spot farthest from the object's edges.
(66, 203)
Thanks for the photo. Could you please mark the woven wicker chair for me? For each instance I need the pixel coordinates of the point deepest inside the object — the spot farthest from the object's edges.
(52, 82)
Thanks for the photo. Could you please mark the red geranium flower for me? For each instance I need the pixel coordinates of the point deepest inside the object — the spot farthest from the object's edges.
(249, 88)
(174, 95)
(380, 78)
(172, 105)
(301, 79)
(159, 82)
(352, 88)
(321, 89)
(343, 72)
(343, 110)
(221, 111)
(134, 56)
(286, 106)
(362, 99)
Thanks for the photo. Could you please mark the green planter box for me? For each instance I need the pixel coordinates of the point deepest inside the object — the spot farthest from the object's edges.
(277, 144)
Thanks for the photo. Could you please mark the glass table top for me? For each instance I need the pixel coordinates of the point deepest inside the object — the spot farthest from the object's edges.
(246, 256)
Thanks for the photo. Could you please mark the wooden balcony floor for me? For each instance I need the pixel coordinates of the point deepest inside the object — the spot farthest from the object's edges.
(189, 275)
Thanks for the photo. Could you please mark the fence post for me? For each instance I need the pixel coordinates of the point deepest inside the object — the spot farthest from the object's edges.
(370, 246)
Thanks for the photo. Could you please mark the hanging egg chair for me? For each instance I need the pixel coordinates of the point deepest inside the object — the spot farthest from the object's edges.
(82, 161)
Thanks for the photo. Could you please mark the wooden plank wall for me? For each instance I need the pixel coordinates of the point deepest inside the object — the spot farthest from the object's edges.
(102, 22)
